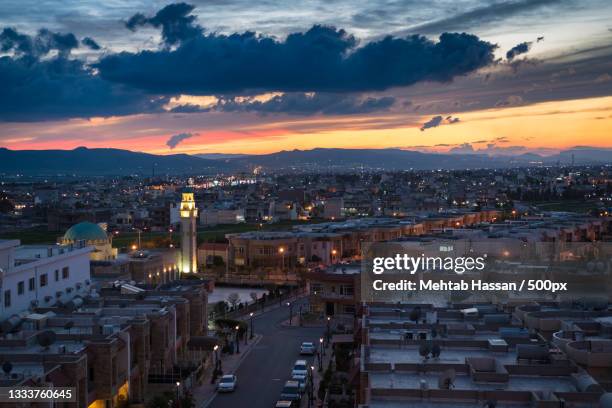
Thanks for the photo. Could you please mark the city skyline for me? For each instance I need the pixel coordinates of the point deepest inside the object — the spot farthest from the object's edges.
(117, 76)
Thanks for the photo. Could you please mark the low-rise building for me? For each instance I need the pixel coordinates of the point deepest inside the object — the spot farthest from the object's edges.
(41, 275)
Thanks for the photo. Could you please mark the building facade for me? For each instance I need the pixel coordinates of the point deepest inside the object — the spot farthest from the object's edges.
(41, 275)
(189, 250)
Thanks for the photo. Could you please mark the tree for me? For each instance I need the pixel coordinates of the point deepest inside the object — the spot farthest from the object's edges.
(233, 299)
(220, 307)
(6, 206)
(218, 260)
(69, 325)
(415, 314)
(424, 350)
(436, 350)
(46, 338)
(7, 367)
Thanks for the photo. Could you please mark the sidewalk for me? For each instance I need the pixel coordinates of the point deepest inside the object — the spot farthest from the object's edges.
(316, 378)
(204, 393)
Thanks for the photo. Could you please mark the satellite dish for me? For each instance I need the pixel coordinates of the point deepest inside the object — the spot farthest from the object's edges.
(447, 379)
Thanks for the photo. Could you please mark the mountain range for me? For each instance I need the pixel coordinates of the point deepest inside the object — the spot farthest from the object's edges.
(85, 161)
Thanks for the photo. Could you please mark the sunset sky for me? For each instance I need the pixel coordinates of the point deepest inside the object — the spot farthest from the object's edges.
(238, 76)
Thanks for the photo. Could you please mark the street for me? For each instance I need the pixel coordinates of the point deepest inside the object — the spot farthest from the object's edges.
(262, 374)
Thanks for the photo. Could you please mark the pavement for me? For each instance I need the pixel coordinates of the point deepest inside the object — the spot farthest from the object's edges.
(264, 365)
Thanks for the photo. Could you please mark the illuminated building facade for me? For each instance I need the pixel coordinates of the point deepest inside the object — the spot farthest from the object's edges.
(189, 216)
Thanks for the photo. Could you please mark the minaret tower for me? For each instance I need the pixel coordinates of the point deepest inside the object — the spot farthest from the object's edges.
(189, 216)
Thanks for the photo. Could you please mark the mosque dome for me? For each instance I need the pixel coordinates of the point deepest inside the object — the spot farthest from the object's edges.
(85, 231)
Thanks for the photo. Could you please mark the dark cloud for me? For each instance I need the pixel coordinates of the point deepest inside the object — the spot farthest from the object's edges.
(90, 43)
(175, 140)
(437, 121)
(58, 87)
(176, 21)
(518, 49)
(42, 44)
(433, 122)
(322, 59)
(481, 15)
(310, 104)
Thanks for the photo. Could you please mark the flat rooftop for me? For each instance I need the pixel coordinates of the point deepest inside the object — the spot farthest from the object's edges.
(456, 355)
(465, 382)
(406, 402)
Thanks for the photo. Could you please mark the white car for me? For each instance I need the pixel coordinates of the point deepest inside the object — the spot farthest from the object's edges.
(308, 348)
(302, 382)
(227, 383)
(300, 370)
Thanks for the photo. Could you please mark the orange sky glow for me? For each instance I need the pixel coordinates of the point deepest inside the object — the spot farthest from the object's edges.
(550, 125)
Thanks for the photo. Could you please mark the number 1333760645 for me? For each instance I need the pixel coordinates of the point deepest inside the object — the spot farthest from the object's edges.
(37, 394)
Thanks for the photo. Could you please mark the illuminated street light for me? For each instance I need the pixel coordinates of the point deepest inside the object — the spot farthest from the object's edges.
(237, 342)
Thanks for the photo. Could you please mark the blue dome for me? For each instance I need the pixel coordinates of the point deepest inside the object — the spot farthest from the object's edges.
(85, 231)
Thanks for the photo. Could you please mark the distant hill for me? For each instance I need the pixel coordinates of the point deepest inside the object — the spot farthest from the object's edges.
(397, 159)
(84, 161)
(220, 156)
(584, 155)
(387, 159)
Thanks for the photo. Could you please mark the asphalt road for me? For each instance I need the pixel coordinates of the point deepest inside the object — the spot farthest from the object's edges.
(262, 374)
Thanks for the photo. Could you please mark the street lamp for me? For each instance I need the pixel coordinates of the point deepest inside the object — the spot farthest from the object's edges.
(311, 387)
(281, 251)
(321, 354)
(251, 315)
(215, 364)
(328, 335)
(237, 342)
(290, 306)
(300, 315)
(178, 401)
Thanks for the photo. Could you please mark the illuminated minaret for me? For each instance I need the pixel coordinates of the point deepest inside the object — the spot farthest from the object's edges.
(189, 216)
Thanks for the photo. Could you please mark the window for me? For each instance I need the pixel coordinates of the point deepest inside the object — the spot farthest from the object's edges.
(20, 288)
(315, 288)
(65, 272)
(43, 280)
(56, 275)
(32, 284)
(349, 309)
(7, 298)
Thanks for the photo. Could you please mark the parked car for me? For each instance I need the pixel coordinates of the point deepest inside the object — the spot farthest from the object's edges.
(307, 348)
(291, 391)
(227, 383)
(300, 370)
(285, 404)
(302, 382)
